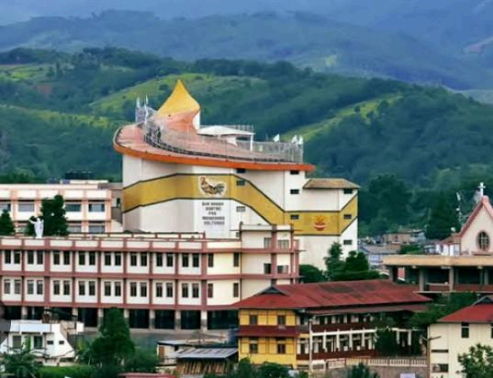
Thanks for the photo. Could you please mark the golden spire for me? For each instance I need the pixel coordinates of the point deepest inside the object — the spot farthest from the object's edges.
(180, 101)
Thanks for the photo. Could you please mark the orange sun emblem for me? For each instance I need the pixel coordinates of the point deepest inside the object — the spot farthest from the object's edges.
(319, 222)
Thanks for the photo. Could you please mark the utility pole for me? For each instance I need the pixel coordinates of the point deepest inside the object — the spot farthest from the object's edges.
(310, 346)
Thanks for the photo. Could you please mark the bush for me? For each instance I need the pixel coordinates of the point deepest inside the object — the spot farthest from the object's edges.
(76, 371)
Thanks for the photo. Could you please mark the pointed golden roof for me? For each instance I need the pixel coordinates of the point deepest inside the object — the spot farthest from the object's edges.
(179, 101)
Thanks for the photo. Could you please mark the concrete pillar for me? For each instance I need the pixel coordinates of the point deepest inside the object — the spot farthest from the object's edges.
(177, 319)
(23, 312)
(451, 279)
(126, 314)
(338, 342)
(422, 279)
(350, 341)
(100, 316)
(486, 276)
(152, 319)
(203, 321)
(324, 341)
(75, 312)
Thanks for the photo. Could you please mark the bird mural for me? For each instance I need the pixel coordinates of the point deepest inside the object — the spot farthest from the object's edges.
(212, 188)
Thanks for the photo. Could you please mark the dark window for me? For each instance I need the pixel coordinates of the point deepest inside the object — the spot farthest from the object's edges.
(82, 258)
(195, 260)
(30, 257)
(17, 257)
(92, 288)
(294, 191)
(30, 287)
(133, 259)
(348, 242)
(210, 290)
(92, 258)
(133, 289)
(56, 258)
(107, 289)
(253, 320)
(240, 170)
(267, 269)
(66, 258)
(465, 330)
(281, 346)
(348, 191)
(143, 259)
(169, 260)
(66, 287)
(8, 257)
(294, 216)
(118, 259)
(159, 290)
(39, 287)
(159, 259)
(118, 289)
(40, 257)
(195, 290)
(240, 182)
(236, 290)
(253, 346)
(169, 290)
(184, 290)
(56, 287)
(82, 288)
(210, 260)
(236, 260)
(281, 320)
(107, 258)
(184, 260)
(240, 209)
(348, 216)
(143, 289)
(295, 172)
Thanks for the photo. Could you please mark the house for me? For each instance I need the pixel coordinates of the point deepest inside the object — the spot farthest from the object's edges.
(404, 236)
(454, 334)
(310, 325)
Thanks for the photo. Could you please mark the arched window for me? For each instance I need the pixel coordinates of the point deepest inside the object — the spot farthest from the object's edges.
(483, 241)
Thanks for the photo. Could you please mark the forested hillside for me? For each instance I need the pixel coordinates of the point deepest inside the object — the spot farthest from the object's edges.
(59, 112)
(305, 39)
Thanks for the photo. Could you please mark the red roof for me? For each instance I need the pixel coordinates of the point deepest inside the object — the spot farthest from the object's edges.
(333, 294)
(480, 313)
(280, 331)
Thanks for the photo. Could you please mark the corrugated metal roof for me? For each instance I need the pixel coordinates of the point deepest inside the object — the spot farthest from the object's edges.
(333, 295)
(206, 353)
(480, 313)
(329, 183)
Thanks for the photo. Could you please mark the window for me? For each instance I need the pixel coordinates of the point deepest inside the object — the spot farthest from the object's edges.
(210, 260)
(6, 286)
(236, 290)
(210, 290)
(267, 242)
(283, 244)
(82, 288)
(5, 206)
(72, 207)
(96, 228)
(66, 258)
(184, 290)
(240, 182)
(56, 287)
(40, 257)
(107, 258)
(169, 260)
(348, 216)
(17, 257)
(82, 258)
(133, 289)
(465, 330)
(294, 172)
(159, 290)
(195, 260)
(185, 260)
(294, 216)
(169, 290)
(56, 258)
(267, 268)
(66, 287)
(236, 260)
(7, 257)
(281, 346)
(61, 342)
(30, 287)
(30, 257)
(159, 259)
(439, 368)
(281, 320)
(348, 191)
(39, 287)
(118, 259)
(118, 289)
(294, 191)
(92, 288)
(283, 269)
(38, 342)
(17, 287)
(253, 320)
(143, 259)
(347, 242)
(483, 241)
(26, 207)
(253, 345)
(17, 341)
(143, 289)
(96, 207)
(49, 342)
(133, 259)
(240, 209)
(92, 258)
(240, 170)
(74, 228)
(107, 288)
(195, 290)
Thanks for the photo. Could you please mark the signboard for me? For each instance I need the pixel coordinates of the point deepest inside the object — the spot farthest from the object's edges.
(213, 216)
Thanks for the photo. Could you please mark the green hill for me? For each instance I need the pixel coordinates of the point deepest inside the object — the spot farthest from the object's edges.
(59, 112)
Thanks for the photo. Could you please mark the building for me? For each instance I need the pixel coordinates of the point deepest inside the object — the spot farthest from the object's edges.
(310, 325)
(469, 269)
(454, 334)
(92, 206)
(50, 341)
(161, 281)
(181, 176)
(376, 252)
(404, 236)
(202, 361)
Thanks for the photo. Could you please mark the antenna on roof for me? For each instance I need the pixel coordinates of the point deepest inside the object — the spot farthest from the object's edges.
(137, 103)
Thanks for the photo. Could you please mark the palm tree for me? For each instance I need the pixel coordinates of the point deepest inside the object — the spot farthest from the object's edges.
(20, 362)
(361, 371)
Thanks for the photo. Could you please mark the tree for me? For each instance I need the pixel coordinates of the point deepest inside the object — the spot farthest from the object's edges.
(361, 371)
(53, 215)
(442, 219)
(311, 274)
(355, 267)
(142, 361)
(114, 346)
(386, 342)
(272, 370)
(21, 363)
(6, 225)
(333, 263)
(245, 369)
(478, 363)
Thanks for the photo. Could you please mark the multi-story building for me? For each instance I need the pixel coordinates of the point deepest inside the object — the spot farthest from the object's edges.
(455, 334)
(468, 269)
(91, 206)
(179, 176)
(161, 281)
(310, 325)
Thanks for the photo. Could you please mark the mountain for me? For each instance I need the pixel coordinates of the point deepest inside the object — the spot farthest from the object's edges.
(59, 112)
(305, 39)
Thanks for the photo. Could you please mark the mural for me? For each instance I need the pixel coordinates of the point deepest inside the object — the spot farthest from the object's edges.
(211, 188)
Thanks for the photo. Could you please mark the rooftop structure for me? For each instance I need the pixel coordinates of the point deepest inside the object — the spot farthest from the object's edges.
(210, 179)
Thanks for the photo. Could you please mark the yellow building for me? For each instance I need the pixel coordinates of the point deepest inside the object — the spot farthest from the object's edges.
(181, 176)
(307, 326)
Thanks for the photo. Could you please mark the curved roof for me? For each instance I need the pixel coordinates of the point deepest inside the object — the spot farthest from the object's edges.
(179, 101)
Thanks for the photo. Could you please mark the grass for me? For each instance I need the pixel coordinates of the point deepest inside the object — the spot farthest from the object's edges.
(33, 73)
